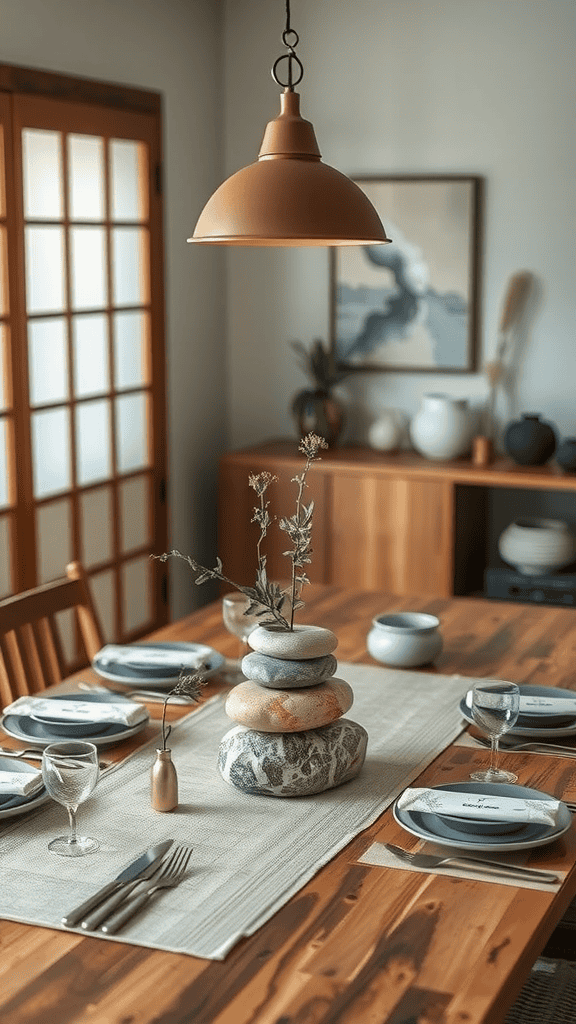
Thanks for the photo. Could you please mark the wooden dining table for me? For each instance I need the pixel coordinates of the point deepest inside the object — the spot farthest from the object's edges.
(358, 944)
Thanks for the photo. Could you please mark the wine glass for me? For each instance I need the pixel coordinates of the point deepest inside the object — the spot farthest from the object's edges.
(70, 773)
(495, 707)
(234, 606)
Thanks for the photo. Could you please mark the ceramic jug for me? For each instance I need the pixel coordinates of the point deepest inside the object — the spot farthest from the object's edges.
(442, 428)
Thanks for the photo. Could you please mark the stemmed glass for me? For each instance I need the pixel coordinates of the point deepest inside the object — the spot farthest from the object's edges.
(70, 773)
(495, 707)
(233, 607)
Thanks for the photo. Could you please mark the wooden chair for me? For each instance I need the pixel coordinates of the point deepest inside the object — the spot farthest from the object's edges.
(30, 645)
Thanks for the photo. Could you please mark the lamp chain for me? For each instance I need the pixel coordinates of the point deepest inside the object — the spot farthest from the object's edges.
(290, 39)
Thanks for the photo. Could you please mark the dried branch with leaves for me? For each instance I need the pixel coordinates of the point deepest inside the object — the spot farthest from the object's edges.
(266, 598)
(187, 686)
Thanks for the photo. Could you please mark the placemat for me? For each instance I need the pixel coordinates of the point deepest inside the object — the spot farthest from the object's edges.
(251, 853)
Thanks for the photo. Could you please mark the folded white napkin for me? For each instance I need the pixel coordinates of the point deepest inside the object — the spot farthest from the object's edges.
(123, 712)
(152, 657)
(20, 783)
(479, 806)
(533, 705)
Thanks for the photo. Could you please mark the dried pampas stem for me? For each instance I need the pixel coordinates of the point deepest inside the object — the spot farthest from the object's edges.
(512, 309)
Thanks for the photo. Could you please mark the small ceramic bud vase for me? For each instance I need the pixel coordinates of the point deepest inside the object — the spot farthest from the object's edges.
(164, 782)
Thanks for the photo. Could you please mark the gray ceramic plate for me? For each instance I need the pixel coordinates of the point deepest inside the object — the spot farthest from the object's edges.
(11, 806)
(434, 829)
(38, 734)
(130, 675)
(525, 724)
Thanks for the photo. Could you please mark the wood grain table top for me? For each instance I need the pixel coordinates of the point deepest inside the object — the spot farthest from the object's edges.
(358, 944)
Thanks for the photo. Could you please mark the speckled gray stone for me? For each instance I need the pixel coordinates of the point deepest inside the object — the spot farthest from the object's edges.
(292, 764)
(286, 675)
(301, 642)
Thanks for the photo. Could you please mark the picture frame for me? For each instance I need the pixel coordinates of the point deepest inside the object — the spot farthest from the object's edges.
(413, 305)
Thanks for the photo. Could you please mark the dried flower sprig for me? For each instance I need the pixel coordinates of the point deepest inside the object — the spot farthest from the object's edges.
(187, 686)
(299, 526)
(266, 598)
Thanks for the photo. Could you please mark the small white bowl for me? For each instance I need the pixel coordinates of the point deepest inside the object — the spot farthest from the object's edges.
(404, 639)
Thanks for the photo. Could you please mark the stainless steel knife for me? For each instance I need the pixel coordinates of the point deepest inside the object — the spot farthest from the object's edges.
(134, 871)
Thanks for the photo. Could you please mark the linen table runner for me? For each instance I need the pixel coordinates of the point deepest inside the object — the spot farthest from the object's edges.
(251, 853)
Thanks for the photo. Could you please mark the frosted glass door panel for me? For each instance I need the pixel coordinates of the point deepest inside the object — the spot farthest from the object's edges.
(93, 441)
(132, 432)
(44, 269)
(42, 169)
(131, 349)
(4, 483)
(5, 558)
(86, 176)
(88, 266)
(65, 627)
(128, 172)
(136, 588)
(3, 273)
(90, 334)
(4, 397)
(102, 588)
(96, 526)
(134, 513)
(130, 266)
(47, 360)
(50, 451)
(54, 540)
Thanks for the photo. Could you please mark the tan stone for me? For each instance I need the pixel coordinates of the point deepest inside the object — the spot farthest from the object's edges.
(270, 710)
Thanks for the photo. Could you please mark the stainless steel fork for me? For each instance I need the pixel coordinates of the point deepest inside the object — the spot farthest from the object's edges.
(510, 744)
(33, 754)
(105, 909)
(167, 880)
(426, 860)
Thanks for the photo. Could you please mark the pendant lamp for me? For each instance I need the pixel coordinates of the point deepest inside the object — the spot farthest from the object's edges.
(289, 197)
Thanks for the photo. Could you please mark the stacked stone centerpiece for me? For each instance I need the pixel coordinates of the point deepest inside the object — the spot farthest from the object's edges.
(290, 738)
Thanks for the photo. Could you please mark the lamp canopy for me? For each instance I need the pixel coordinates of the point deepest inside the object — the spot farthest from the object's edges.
(289, 197)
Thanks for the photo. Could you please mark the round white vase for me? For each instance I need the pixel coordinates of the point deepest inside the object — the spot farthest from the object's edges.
(536, 546)
(404, 639)
(442, 428)
(386, 433)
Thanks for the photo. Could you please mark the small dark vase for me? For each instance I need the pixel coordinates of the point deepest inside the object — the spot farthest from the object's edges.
(566, 454)
(318, 412)
(529, 441)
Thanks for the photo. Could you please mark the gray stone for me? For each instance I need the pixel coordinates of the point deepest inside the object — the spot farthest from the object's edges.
(286, 675)
(268, 710)
(302, 642)
(292, 764)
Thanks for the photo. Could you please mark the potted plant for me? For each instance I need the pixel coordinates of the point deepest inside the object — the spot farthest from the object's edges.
(316, 409)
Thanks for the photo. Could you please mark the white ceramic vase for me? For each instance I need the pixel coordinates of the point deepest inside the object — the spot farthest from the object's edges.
(386, 433)
(404, 639)
(442, 428)
(535, 546)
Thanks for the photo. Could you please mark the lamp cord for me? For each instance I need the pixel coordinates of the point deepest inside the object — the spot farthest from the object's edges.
(290, 38)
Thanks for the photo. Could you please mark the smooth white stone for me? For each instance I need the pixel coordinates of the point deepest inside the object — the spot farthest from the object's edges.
(292, 764)
(272, 710)
(292, 645)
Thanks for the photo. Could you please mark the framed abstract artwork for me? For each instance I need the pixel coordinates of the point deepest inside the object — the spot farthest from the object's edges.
(413, 304)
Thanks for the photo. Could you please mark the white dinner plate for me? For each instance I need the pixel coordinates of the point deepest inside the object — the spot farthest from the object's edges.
(524, 728)
(13, 806)
(148, 676)
(435, 829)
(39, 734)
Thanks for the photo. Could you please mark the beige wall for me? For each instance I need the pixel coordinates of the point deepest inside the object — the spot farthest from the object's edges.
(174, 47)
(470, 86)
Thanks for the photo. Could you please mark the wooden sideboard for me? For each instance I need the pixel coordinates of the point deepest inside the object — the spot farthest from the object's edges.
(395, 522)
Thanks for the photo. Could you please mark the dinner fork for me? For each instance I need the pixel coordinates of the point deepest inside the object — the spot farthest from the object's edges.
(36, 755)
(168, 879)
(509, 743)
(426, 860)
(126, 889)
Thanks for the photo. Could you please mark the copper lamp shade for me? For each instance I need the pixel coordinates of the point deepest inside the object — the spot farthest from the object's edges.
(289, 197)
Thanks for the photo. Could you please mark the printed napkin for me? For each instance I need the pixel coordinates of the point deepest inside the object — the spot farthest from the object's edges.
(153, 657)
(121, 712)
(479, 806)
(540, 705)
(20, 783)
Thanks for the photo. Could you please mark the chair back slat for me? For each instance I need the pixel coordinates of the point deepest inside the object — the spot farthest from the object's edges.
(30, 644)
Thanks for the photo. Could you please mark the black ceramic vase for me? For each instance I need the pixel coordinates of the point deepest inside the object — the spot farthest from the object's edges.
(566, 454)
(318, 412)
(529, 441)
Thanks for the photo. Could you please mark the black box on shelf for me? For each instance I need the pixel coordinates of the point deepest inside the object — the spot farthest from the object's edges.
(507, 585)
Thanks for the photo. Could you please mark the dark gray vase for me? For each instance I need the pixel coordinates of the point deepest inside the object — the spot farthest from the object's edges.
(529, 441)
(566, 454)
